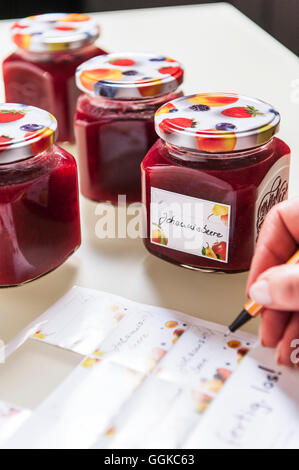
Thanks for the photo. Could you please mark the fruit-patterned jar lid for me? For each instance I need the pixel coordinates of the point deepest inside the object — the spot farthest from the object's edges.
(129, 75)
(217, 122)
(25, 131)
(55, 32)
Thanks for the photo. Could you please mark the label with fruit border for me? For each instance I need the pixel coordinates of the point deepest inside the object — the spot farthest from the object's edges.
(191, 225)
(272, 190)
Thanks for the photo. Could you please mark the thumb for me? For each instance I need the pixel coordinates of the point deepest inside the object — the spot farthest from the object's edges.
(277, 288)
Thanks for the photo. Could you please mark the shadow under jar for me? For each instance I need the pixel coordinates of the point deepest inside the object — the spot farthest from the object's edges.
(39, 202)
(114, 120)
(211, 179)
(42, 70)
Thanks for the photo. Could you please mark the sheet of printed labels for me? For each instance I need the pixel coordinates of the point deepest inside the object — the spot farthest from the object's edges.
(153, 378)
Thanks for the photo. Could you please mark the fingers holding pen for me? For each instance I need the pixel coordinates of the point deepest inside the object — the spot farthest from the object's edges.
(278, 239)
(277, 288)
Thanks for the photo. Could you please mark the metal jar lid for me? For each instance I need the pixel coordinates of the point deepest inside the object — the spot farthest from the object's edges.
(55, 32)
(217, 122)
(129, 75)
(25, 131)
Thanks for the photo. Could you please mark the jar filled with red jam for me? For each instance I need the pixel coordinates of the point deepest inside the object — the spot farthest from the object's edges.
(211, 179)
(114, 119)
(39, 203)
(42, 70)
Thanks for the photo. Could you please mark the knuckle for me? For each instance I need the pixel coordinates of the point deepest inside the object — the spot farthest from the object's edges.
(271, 219)
(275, 214)
(290, 289)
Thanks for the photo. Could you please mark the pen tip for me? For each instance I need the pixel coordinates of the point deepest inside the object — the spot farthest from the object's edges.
(227, 334)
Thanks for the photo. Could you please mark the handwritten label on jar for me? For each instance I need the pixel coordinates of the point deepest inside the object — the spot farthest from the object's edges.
(190, 225)
(272, 190)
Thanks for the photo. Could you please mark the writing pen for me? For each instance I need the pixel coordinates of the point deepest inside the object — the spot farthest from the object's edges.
(252, 309)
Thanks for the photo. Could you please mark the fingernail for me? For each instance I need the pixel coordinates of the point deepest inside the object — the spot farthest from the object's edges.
(260, 292)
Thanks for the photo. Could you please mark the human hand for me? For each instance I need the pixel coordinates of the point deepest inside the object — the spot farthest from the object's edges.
(274, 284)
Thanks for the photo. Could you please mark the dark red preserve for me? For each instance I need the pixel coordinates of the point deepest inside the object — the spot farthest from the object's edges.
(39, 204)
(115, 120)
(42, 71)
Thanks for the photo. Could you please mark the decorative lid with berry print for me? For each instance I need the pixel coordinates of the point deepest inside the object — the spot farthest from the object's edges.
(129, 76)
(25, 131)
(55, 32)
(217, 122)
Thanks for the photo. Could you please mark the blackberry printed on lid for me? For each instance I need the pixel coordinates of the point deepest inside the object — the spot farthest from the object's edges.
(129, 75)
(217, 122)
(55, 32)
(25, 131)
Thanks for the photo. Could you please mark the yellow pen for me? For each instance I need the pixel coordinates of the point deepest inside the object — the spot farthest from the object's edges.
(252, 309)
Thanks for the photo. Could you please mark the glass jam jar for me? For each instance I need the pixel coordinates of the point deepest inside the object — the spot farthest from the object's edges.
(210, 180)
(42, 70)
(39, 203)
(114, 120)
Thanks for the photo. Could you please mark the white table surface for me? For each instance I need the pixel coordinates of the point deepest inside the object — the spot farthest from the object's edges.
(222, 51)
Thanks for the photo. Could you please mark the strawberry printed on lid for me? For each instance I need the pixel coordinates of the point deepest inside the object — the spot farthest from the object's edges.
(10, 115)
(176, 124)
(65, 28)
(217, 122)
(5, 138)
(171, 70)
(25, 131)
(54, 32)
(242, 112)
(122, 62)
(5, 141)
(129, 76)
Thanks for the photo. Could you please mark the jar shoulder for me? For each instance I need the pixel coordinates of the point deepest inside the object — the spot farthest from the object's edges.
(154, 156)
(53, 159)
(13, 57)
(160, 154)
(90, 108)
(172, 172)
(50, 62)
(281, 148)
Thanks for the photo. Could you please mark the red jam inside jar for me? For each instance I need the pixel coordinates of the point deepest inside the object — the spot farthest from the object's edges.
(114, 120)
(42, 71)
(39, 202)
(211, 179)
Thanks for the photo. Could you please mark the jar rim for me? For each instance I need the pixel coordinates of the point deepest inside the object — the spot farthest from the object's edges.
(138, 100)
(179, 152)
